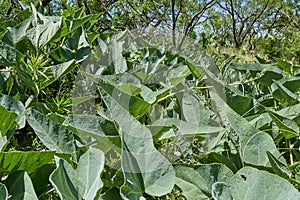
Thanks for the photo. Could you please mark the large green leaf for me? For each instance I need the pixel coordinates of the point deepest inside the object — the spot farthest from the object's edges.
(3, 192)
(194, 69)
(177, 74)
(144, 168)
(5, 139)
(92, 124)
(34, 33)
(238, 102)
(279, 168)
(116, 58)
(266, 73)
(234, 98)
(113, 193)
(153, 96)
(82, 182)
(54, 72)
(252, 184)
(130, 84)
(14, 106)
(193, 110)
(53, 25)
(253, 143)
(7, 119)
(53, 135)
(17, 32)
(227, 158)
(9, 56)
(27, 161)
(40, 179)
(62, 181)
(283, 94)
(26, 78)
(4, 78)
(96, 127)
(69, 26)
(161, 125)
(76, 48)
(197, 183)
(43, 29)
(135, 105)
(121, 79)
(285, 66)
(291, 83)
(290, 112)
(19, 186)
(289, 128)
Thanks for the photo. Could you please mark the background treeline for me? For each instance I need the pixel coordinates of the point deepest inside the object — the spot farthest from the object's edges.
(266, 28)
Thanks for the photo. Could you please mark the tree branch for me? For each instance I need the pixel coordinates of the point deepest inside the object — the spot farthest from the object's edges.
(191, 25)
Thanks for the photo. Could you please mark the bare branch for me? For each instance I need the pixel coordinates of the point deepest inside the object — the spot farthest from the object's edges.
(235, 36)
(191, 25)
(173, 23)
(254, 20)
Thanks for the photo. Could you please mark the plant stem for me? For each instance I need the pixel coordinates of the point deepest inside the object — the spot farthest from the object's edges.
(290, 152)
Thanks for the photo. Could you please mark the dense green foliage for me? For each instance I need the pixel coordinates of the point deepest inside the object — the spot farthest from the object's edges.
(92, 110)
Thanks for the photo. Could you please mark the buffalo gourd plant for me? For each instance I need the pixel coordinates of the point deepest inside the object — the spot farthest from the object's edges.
(146, 122)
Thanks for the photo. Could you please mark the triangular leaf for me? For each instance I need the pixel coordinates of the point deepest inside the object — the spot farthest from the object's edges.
(83, 182)
(7, 120)
(145, 169)
(19, 186)
(14, 106)
(53, 135)
(55, 72)
(280, 168)
(27, 161)
(250, 183)
(288, 127)
(197, 183)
